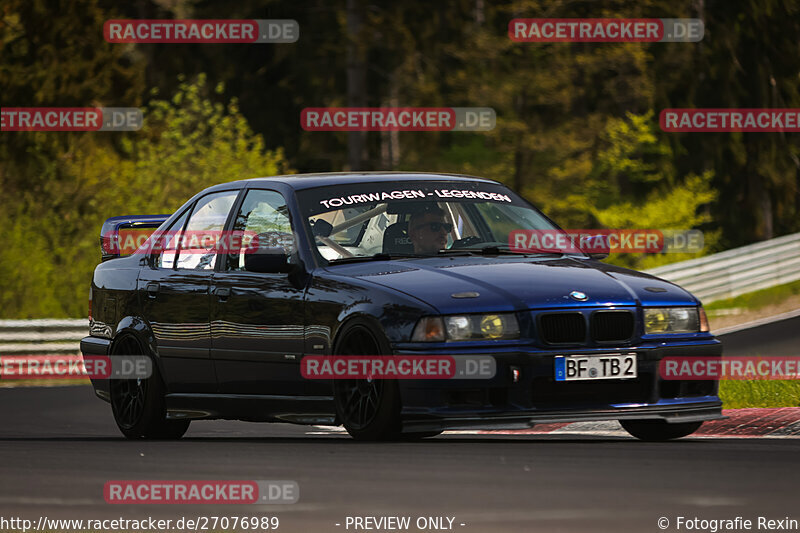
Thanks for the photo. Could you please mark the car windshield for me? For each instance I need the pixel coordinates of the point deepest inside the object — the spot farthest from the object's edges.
(415, 218)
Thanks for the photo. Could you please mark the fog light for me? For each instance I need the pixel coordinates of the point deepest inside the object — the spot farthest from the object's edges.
(655, 321)
(492, 326)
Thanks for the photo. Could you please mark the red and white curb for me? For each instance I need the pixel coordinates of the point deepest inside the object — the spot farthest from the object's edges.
(772, 423)
(779, 422)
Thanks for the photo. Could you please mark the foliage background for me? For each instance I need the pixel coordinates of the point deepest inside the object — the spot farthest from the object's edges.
(577, 130)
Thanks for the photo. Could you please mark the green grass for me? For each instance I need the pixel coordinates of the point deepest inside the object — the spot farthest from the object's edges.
(762, 393)
(43, 382)
(758, 299)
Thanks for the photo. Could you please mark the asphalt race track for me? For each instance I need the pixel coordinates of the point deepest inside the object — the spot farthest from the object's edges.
(776, 339)
(59, 446)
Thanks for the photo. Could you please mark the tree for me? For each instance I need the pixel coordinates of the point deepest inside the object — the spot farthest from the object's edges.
(190, 143)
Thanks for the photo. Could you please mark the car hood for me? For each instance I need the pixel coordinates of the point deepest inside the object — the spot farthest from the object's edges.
(504, 283)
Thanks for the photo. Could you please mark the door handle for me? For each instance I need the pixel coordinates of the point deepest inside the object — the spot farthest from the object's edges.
(222, 292)
(152, 289)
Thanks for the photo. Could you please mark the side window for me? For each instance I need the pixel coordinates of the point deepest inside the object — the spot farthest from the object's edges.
(263, 216)
(168, 243)
(199, 248)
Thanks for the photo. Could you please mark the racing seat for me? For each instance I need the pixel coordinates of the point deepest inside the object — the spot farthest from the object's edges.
(396, 240)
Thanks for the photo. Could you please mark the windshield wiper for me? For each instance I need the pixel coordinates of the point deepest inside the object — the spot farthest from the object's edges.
(376, 257)
(494, 250)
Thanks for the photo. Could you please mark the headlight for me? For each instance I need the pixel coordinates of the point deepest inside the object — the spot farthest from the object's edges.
(467, 327)
(671, 320)
(478, 327)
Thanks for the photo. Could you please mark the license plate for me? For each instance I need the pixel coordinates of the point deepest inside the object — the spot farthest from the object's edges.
(601, 366)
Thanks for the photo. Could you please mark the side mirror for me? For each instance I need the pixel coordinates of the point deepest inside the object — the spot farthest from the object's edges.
(267, 261)
(598, 255)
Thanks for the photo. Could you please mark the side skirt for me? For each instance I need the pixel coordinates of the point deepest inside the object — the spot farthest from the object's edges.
(317, 410)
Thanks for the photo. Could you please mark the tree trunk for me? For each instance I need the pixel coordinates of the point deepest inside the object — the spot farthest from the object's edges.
(356, 83)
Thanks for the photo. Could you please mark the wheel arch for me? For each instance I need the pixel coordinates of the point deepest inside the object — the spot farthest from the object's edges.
(138, 328)
(368, 322)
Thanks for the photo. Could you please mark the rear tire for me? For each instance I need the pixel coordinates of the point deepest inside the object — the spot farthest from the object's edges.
(368, 409)
(659, 430)
(138, 404)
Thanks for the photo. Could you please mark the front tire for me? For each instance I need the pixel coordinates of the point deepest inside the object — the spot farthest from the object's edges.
(368, 409)
(138, 404)
(659, 430)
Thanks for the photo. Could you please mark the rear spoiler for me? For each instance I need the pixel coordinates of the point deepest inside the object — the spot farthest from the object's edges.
(121, 236)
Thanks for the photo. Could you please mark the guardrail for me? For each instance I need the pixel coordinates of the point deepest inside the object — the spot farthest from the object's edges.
(737, 271)
(42, 336)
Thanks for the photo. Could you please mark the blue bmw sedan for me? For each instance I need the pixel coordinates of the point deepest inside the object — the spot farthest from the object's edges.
(385, 264)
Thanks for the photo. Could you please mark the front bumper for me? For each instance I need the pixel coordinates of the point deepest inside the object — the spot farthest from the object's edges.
(536, 398)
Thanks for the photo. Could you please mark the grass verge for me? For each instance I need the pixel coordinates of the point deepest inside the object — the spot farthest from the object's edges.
(757, 393)
(62, 382)
(762, 393)
(758, 299)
